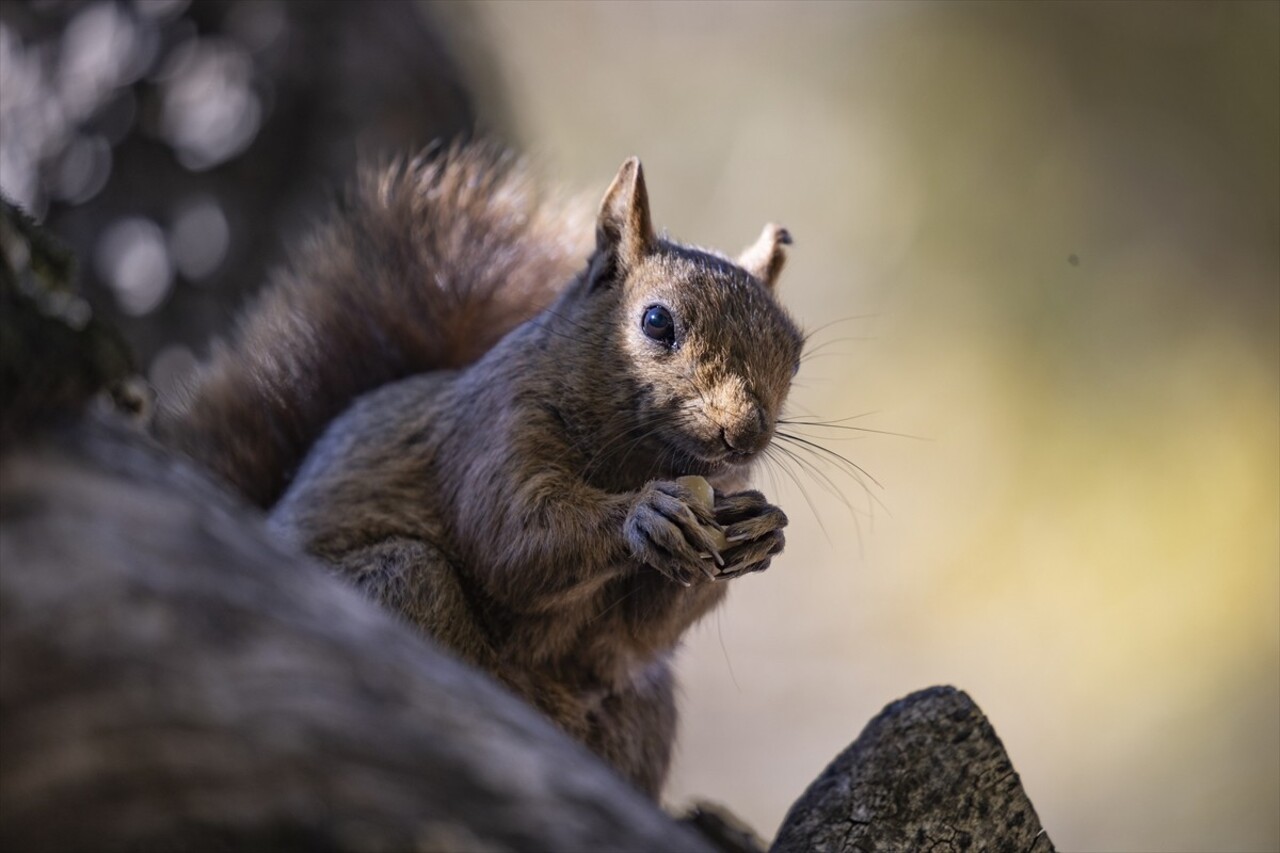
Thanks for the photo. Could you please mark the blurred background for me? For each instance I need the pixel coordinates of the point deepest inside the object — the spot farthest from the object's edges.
(1040, 243)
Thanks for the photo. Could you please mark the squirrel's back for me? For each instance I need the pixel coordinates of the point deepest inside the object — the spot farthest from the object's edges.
(424, 265)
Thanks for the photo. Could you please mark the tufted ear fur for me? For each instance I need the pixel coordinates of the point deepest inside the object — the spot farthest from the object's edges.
(765, 258)
(624, 227)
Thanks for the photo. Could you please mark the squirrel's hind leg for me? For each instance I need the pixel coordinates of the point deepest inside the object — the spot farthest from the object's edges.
(414, 579)
(635, 730)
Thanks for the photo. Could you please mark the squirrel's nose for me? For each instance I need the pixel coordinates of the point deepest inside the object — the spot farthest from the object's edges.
(747, 434)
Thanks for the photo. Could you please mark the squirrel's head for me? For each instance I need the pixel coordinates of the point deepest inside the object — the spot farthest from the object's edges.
(708, 351)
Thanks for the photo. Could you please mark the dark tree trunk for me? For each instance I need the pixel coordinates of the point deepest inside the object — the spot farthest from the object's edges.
(172, 679)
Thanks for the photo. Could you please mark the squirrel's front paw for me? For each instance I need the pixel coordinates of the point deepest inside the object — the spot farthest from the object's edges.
(753, 529)
(669, 530)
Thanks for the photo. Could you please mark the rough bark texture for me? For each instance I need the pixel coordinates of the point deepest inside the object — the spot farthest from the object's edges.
(171, 679)
(929, 774)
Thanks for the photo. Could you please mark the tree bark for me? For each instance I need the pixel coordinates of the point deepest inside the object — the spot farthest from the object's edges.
(928, 773)
(170, 678)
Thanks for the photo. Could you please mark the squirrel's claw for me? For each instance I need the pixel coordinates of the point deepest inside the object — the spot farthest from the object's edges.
(753, 530)
(673, 535)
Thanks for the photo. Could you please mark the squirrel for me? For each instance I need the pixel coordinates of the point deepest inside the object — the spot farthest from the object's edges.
(434, 404)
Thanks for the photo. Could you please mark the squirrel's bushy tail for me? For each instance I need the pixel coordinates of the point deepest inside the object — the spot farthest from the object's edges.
(423, 266)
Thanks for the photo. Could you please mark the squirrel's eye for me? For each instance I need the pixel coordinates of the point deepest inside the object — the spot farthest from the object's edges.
(657, 324)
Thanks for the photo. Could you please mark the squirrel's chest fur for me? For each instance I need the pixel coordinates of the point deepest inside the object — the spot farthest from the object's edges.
(419, 493)
(422, 462)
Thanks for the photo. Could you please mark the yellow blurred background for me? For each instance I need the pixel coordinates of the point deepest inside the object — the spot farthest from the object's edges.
(1044, 239)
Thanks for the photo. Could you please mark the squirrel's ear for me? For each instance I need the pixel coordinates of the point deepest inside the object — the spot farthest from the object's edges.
(623, 225)
(765, 258)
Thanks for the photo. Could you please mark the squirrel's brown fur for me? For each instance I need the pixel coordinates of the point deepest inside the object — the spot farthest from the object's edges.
(423, 265)
(522, 509)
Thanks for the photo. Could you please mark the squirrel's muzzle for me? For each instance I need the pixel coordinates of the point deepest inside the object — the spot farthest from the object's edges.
(747, 434)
